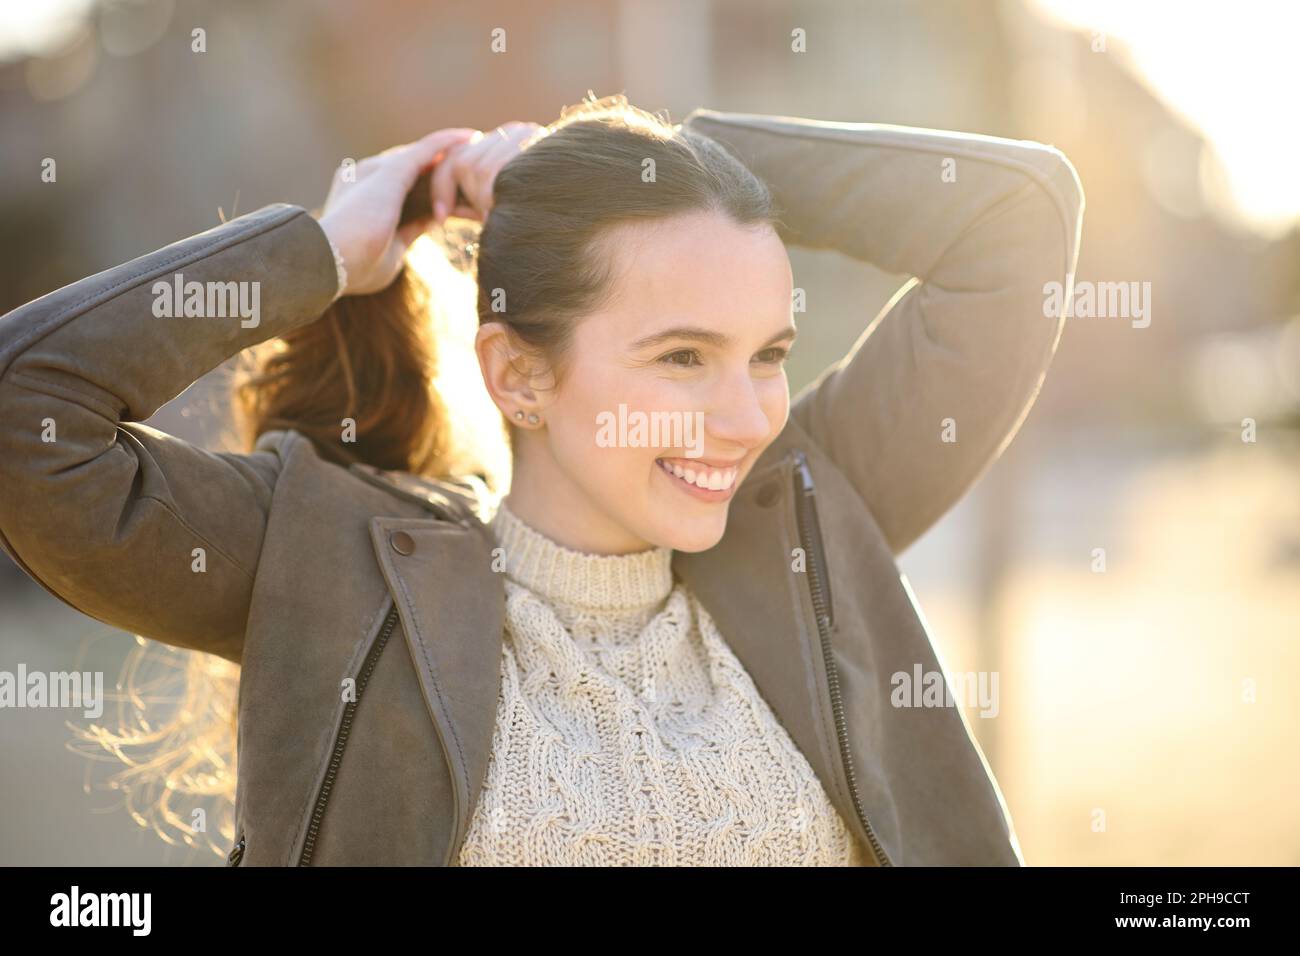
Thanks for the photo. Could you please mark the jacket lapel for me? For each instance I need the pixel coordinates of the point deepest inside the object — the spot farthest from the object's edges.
(452, 610)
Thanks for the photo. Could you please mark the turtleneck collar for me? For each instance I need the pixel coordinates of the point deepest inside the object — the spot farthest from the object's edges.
(639, 581)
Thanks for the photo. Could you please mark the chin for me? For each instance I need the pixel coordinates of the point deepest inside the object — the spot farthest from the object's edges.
(699, 535)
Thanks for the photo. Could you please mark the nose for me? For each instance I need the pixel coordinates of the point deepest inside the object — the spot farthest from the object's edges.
(737, 415)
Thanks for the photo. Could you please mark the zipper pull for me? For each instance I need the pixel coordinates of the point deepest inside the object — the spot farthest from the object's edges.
(805, 473)
(237, 853)
(820, 580)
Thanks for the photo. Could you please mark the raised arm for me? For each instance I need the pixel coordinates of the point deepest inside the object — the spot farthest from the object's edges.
(981, 224)
(106, 512)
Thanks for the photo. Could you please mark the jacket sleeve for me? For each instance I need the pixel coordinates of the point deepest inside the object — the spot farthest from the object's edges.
(938, 384)
(107, 513)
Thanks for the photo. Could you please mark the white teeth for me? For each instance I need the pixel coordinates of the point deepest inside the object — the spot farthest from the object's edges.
(710, 479)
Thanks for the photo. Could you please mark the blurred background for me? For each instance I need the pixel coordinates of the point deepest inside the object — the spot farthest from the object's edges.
(1148, 712)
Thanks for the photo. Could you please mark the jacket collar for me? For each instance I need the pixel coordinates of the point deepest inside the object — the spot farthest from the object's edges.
(458, 499)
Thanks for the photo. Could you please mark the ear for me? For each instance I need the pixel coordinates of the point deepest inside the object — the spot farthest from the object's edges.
(510, 372)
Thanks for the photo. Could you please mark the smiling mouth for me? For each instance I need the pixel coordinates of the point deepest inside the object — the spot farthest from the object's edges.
(703, 477)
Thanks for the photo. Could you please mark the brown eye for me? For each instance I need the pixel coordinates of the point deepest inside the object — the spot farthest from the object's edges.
(690, 354)
(776, 354)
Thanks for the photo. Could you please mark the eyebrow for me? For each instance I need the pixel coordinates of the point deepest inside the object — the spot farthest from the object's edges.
(706, 336)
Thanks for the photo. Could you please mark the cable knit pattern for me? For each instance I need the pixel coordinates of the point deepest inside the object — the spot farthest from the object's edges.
(629, 734)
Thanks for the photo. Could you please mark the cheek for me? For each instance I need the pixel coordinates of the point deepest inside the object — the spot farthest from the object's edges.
(603, 388)
(574, 421)
(599, 389)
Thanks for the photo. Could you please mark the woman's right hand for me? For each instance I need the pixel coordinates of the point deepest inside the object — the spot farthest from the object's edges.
(362, 212)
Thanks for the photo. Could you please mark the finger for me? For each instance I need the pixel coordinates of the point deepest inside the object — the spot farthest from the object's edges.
(426, 149)
(414, 158)
(492, 163)
(445, 182)
(471, 172)
(535, 132)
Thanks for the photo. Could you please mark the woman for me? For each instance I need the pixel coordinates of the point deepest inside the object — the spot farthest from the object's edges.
(662, 647)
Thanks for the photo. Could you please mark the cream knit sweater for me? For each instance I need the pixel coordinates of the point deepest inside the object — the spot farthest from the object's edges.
(628, 734)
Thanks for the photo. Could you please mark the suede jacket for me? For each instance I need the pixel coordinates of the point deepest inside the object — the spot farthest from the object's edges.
(316, 573)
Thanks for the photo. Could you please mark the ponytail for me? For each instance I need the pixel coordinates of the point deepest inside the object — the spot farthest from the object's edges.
(358, 382)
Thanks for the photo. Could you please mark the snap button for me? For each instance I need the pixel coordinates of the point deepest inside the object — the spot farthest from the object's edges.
(768, 494)
(402, 542)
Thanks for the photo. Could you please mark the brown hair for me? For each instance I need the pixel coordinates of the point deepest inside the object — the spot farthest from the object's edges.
(540, 261)
(370, 359)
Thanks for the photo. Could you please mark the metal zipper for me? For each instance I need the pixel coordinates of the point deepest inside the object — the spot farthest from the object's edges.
(810, 537)
(345, 728)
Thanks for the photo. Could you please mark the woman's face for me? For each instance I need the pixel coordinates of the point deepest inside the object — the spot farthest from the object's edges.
(679, 376)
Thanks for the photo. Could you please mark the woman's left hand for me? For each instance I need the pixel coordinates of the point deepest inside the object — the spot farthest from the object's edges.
(473, 166)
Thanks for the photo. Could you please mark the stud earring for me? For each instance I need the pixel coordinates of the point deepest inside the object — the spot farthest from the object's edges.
(533, 419)
(519, 415)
